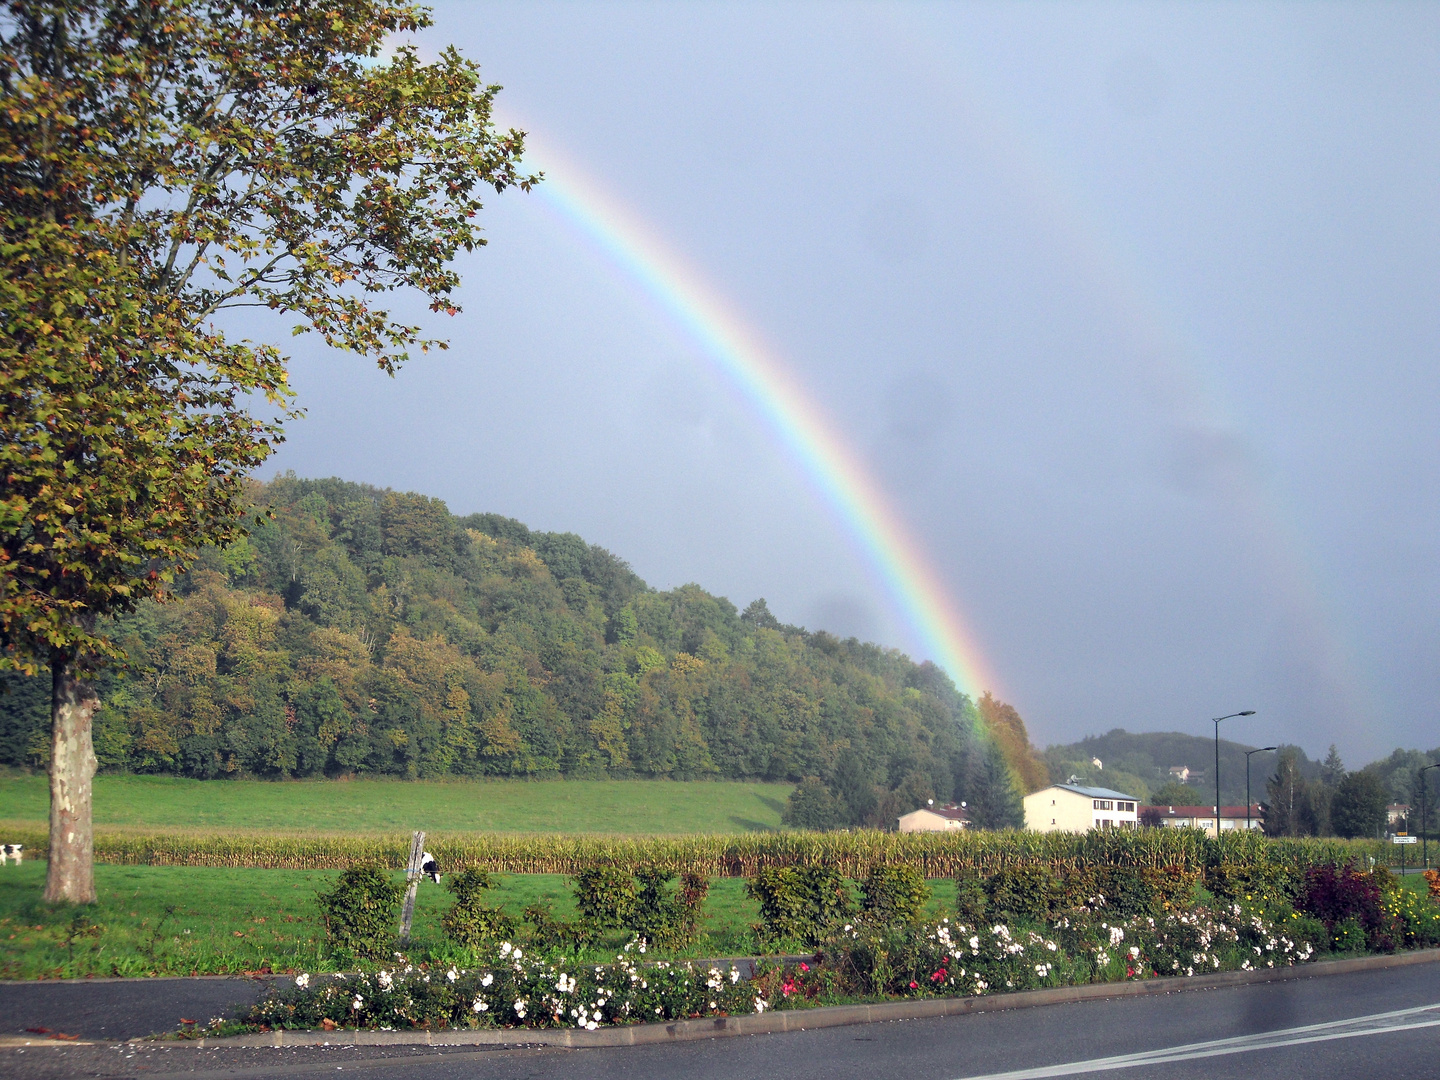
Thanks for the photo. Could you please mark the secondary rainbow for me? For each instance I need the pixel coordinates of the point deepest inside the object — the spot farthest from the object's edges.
(796, 422)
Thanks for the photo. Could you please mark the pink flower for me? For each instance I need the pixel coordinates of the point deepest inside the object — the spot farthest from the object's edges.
(804, 966)
(914, 985)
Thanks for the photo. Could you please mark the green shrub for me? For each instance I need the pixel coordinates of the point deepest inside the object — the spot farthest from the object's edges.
(800, 903)
(1033, 893)
(1264, 882)
(605, 896)
(471, 922)
(641, 903)
(549, 932)
(665, 918)
(1348, 936)
(970, 898)
(1132, 891)
(893, 896)
(361, 912)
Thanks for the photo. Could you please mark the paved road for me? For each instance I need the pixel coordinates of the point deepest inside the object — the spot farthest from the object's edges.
(1303, 1028)
(120, 1008)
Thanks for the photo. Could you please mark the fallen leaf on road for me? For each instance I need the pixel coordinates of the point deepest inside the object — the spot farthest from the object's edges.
(184, 1021)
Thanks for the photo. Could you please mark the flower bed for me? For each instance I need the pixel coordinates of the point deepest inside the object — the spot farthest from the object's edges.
(513, 990)
(948, 959)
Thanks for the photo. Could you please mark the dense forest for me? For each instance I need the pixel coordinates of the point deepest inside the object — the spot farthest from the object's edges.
(360, 631)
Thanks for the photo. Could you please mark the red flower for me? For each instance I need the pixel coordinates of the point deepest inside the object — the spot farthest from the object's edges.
(804, 966)
(914, 985)
(938, 975)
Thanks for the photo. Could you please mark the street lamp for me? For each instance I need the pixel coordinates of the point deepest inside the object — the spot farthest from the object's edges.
(1262, 750)
(1217, 719)
(1424, 836)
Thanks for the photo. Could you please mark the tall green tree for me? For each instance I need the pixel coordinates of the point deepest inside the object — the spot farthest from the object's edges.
(1358, 808)
(160, 162)
(1287, 797)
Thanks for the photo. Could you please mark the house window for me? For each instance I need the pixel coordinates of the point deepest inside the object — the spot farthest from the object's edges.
(1104, 804)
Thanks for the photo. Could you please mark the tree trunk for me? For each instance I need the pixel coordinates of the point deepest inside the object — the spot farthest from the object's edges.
(71, 874)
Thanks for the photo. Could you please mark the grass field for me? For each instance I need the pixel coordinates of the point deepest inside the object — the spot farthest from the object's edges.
(227, 921)
(633, 807)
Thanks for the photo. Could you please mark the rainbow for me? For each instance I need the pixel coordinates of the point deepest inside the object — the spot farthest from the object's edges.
(796, 422)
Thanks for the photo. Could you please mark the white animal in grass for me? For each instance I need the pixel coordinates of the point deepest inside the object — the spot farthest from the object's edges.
(429, 866)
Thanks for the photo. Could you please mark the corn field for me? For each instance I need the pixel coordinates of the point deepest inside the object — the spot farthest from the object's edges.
(937, 855)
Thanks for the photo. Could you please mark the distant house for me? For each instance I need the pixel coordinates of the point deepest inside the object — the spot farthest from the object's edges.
(1201, 817)
(1180, 773)
(1396, 813)
(1074, 808)
(936, 819)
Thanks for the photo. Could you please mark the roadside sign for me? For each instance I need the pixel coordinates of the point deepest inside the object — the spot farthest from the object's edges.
(1404, 839)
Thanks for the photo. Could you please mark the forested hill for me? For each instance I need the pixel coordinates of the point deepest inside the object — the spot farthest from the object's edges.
(365, 631)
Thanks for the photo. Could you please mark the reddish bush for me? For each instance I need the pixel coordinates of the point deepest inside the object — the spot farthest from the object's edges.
(1335, 893)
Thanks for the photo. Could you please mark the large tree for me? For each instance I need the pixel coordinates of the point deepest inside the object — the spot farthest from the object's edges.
(1359, 805)
(162, 161)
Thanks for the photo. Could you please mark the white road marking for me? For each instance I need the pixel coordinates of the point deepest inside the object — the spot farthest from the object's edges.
(1422, 1016)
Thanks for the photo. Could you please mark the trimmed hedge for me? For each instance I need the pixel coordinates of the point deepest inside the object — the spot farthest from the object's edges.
(853, 854)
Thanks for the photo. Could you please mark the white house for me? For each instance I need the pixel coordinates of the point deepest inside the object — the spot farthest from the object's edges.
(1073, 808)
(1180, 773)
(936, 819)
(1202, 817)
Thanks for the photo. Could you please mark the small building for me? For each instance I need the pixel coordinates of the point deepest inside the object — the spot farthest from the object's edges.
(1180, 773)
(1397, 815)
(1074, 808)
(936, 819)
(1201, 817)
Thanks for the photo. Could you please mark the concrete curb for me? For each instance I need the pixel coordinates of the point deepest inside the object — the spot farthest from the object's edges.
(775, 1022)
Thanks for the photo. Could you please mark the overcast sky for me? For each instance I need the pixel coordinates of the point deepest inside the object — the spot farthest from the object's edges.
(1131, 310)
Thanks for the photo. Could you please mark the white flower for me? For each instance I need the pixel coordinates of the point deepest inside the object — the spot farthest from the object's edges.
(759, 1005)
(974, 941)
(505, 948)
(355, 1005)
(302, 981)
(1116, 936)
(518, 954)
(385, 980)
(451, 975)
(1134, 952)
(480, 1005)
(487, 980)
(520, 1007)
(734, 975)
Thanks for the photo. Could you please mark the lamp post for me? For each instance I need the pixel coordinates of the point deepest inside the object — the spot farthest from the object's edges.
(1424, 836)
(1217, 719)
(1262, 750)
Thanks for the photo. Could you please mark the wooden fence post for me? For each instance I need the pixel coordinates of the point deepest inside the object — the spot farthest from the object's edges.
(412, 883)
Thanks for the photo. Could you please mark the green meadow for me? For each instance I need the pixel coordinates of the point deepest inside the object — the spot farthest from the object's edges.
(630, 807)
(171, 920)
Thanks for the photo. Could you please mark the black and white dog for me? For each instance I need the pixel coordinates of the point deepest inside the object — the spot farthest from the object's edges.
(428, 865)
